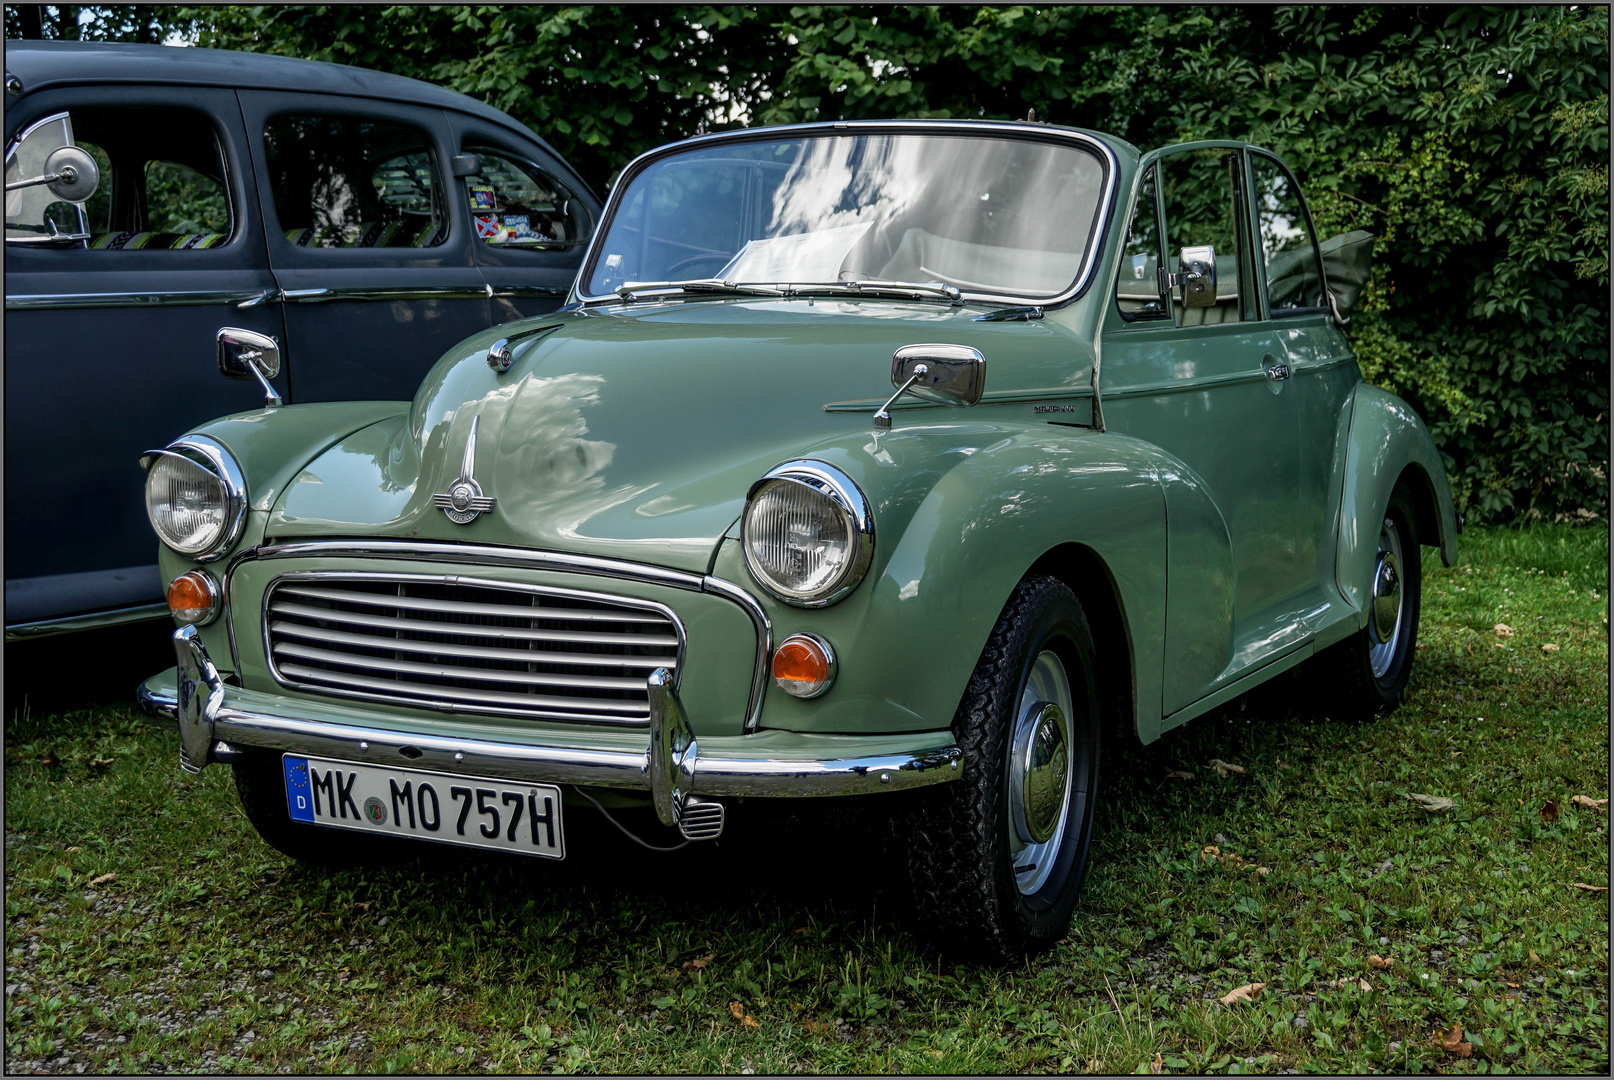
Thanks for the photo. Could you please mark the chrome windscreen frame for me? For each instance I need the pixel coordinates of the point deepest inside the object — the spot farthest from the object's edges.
(1104, 216)
(487, 555)
(403, 701)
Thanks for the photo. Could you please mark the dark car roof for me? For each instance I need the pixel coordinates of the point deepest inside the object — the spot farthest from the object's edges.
(41, 64)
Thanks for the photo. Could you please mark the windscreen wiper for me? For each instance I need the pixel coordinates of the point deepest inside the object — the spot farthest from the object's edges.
(629, 289)
(909, 290)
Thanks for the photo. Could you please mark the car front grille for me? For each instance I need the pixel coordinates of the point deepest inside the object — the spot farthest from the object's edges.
(470, 646)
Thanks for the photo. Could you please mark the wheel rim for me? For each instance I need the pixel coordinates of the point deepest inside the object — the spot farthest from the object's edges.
(1041, 773)
(1384, 613)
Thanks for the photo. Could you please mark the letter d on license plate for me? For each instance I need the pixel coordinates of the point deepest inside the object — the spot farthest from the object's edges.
(504, 815)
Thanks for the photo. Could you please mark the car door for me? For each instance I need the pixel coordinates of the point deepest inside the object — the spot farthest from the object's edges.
(532, 217)
(1206, 384)
(1324, 369)
(373, 259)
(110, 339)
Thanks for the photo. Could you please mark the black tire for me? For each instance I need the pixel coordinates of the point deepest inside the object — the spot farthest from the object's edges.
(967, 888)
(261, 785)
(1353, 681)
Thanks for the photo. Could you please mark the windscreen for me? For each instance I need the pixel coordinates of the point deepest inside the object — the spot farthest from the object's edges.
(987, 215)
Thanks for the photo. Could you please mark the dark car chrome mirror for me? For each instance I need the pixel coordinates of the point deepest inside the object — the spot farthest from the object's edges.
(70, 174)
(247, 354)
(948, 374)
(1197, 276)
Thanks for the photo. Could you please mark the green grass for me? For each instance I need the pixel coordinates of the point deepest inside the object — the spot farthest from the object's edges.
(211, 952)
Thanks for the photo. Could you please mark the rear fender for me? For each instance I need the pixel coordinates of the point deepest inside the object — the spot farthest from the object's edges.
(1388, 442)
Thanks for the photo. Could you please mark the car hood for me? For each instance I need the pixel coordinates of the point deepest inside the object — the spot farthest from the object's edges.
(635, 432)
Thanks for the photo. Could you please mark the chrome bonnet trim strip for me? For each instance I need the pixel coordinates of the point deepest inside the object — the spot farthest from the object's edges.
(485, 555)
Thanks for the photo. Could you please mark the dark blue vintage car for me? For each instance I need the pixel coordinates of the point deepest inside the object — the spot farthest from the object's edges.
(363, 221)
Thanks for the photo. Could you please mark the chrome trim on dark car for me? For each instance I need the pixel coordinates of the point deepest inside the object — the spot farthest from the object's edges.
(94, 620)
(486, 555)
(206, 718)
(242, 299)
(1038, 133)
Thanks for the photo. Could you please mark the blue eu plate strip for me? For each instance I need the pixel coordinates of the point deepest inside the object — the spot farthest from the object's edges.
(299, 797)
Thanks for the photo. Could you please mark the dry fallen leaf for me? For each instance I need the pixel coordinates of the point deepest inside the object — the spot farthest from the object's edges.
(1549, 811)
(1263, 870)
(1551, 646)
(749, 1021)
(1353, 982)
(817, 1027)
(1247, 992)
(100, 762)
(1432, 803)
(362, 905)
(1223, 768)
(1179, 774)
(1156, 1065)
(1590, 888)
(1588, 802)
(736, 1010)
(1534, 959)
(1382, 963)
(699, 962)
(50, 761)
(1503, 630)
(73, 849)
(1211, 851)
(1452, 1041)
(103, 879)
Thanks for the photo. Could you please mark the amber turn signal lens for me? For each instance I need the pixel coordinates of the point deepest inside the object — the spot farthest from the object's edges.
(193, 599)
(804, 665)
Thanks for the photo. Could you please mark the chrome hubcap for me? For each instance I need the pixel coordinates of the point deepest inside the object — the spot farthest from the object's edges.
(1384, 613)
(1040, 773)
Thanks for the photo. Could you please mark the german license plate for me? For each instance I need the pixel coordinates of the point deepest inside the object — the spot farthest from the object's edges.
(444, 807)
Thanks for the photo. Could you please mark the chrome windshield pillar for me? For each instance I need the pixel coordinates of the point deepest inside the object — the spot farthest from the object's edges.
(201, 695)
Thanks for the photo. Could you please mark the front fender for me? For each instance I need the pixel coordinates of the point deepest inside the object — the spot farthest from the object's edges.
(1388, 440)
(960, 516)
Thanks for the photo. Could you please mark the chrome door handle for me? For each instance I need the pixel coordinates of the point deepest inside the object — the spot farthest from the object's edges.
(1278, 372)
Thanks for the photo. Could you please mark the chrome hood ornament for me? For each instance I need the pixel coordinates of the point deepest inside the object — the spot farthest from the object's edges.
(464, 499)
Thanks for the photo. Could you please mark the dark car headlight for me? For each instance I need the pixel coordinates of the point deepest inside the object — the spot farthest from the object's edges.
(808, 534)
(196, 497)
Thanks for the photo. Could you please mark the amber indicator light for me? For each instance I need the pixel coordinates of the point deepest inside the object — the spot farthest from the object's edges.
(191, 597)
(803, 666)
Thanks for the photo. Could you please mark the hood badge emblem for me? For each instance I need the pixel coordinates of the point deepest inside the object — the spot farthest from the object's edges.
(464, 499)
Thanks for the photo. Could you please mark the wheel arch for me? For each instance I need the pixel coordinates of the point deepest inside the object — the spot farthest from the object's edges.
(1090, 578)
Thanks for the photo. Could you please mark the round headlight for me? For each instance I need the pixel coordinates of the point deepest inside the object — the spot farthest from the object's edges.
(195, 497)
(808, 534)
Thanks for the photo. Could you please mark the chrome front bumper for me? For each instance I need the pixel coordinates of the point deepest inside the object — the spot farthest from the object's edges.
(671, 768)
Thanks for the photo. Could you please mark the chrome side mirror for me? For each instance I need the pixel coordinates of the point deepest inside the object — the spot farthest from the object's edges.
(1197, 276)
(247, 354)
(948, 374)
(71, 175)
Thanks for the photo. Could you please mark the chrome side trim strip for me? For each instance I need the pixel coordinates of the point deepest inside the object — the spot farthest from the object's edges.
(133, 299)
(95, 620)
(484, 555)
(408, 292)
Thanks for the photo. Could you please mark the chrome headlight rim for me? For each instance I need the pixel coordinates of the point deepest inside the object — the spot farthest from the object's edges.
(830, 482)
(210, 454)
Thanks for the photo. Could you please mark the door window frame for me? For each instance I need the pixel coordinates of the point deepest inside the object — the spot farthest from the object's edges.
(1250, 153)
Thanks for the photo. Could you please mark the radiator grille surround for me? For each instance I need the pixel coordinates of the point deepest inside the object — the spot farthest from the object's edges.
(470, 645)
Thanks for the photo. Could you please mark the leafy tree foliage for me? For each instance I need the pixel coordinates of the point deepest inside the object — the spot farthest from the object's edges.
(1473, 141)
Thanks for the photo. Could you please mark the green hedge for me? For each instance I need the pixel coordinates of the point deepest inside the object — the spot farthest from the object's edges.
(1472, 141)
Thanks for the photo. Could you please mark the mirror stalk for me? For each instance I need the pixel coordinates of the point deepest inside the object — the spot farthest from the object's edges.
(882, 419)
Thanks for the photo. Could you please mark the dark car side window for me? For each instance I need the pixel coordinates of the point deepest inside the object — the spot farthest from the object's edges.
(162, 179)
(515, 204)
(354, 182)
(1288, 246)
(1137, 286)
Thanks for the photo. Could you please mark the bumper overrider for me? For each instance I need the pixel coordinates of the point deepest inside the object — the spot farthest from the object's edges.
(213, 728)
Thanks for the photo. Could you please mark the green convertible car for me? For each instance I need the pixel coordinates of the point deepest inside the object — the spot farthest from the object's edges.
(865, 457)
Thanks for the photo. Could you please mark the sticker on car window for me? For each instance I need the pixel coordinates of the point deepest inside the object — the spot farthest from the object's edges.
(487, 226)
(518, 224)
(481, 196)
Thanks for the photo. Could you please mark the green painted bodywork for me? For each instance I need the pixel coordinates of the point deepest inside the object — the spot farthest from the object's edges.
(1234, 518)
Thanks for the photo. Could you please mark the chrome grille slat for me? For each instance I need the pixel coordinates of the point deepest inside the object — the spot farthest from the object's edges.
(445, 671)
(416, 603)
(491, 697)
(392, 625)
(470, 645)
(443, 648)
